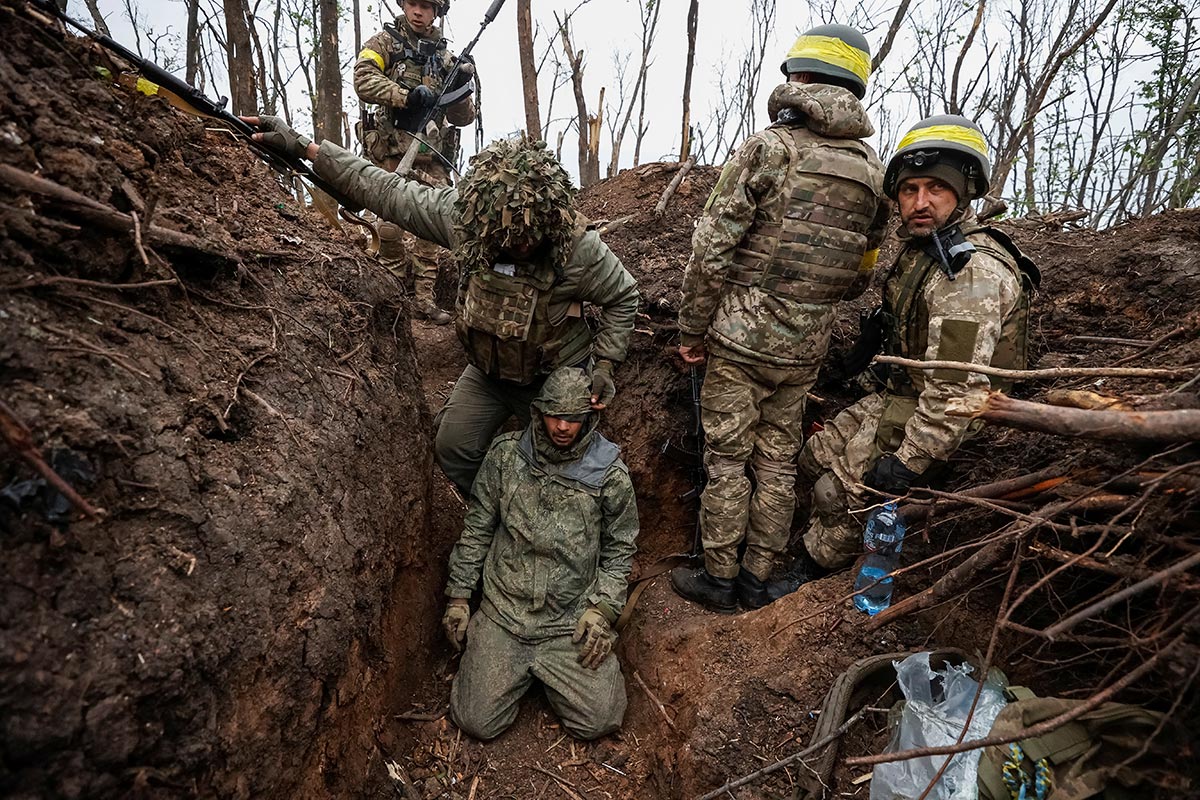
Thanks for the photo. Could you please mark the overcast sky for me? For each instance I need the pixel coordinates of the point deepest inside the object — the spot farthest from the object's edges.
(601, 28)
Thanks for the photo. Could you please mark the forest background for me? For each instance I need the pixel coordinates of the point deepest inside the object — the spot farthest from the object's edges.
(1089, 105)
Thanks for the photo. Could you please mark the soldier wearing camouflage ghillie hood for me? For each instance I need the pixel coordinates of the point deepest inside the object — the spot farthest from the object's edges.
(550, 533)
(528, 265)
(958, 291)
(791, 228)
(402, 70)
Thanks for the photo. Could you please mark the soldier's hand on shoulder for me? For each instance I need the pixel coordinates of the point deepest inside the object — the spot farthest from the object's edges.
(604, 388)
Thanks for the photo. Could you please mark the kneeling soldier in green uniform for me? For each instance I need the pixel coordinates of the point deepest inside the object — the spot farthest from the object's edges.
(551, 526)
(958, 291)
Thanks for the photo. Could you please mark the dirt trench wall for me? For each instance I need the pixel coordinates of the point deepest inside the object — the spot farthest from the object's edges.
(246, 611)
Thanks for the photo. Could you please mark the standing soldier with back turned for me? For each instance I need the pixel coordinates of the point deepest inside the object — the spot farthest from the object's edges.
(402, 70)
(791, 228)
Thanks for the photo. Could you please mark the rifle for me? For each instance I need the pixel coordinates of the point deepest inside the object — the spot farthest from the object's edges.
(406, 163)
(183, 95)
(690, 452)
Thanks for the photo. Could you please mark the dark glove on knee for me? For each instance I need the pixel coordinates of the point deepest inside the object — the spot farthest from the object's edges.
(890, 476)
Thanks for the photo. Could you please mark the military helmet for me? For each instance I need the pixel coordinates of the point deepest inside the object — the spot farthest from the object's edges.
(835, 51)
(937, 142)
(567, 394)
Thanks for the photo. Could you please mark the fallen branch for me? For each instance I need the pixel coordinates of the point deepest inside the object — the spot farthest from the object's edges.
(914, 511)
(106, 217)
(50, 280)
(661, 206)
(1126, 426)
(566, 785)
(658, 704)
(20, 438)
(1129, 591)
(778, 765)
(1037, 374)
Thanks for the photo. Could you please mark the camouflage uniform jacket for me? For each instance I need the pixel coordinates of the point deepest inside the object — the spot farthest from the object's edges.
(778, 180)
(979, 317)
(384, 73)
(550, 539)
(555, 333)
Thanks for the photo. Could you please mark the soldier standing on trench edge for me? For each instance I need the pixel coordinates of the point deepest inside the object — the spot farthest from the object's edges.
(958, 291)
(791, 228)
(551, 528)
(402, 69)
(527, 264)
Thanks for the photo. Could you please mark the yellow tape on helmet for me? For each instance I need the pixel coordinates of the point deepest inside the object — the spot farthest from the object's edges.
(835, 52)
(947, 133)
(371, 55)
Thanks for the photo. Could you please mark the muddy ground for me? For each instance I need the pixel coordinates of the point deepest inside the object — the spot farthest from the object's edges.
(256, 613)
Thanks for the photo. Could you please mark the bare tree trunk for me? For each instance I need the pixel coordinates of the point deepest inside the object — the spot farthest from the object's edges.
(890, 37)
(328, 102)
(98, 20)
(192, 45)
(266, 101)
(649, 17)
(240, 57)
(589, 163)
(685, 137)
(533, 122)
(362, 107)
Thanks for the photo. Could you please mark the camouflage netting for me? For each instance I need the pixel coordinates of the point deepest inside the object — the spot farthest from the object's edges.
(515, 191)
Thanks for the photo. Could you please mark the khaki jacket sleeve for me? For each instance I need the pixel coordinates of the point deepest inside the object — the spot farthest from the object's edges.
(423, 210)
(371, 83)
(965, 317)
(618, 540)
(461, 113)
(609, 286)
(479, 527)
(727, 216)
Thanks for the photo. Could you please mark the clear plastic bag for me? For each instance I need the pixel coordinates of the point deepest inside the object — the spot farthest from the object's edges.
(937, 702)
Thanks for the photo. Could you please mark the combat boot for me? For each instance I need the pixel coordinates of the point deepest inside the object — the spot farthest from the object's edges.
(695, 584)
(802, 570)
(433, 313)
(751, 590)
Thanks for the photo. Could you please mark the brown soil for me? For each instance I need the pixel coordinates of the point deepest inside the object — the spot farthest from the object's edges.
(257, 613)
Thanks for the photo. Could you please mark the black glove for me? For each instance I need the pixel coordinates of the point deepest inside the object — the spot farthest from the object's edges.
(466, 71)
(277, 135)
(890, 476)
(420, 97)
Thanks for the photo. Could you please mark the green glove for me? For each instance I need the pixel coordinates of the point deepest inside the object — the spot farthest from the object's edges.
(281, 138)
(454, 622)
(603, 387)
(597, 637)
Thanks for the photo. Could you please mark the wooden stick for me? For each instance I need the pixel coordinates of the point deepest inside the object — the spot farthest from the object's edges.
(105, 216)
(912, 512)
(1146, 583)
(778, 765)
(566, 785)
(20, 438)
(661, 206)
(1123, 426)
(1037, 374)
(658, 704)
(50, 280)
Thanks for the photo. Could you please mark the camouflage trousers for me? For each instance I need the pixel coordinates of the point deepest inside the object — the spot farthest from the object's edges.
(753, 416)
(498, 668)
(475, 412)
(403, 253)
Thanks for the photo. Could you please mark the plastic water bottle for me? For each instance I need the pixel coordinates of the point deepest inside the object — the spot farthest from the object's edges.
(882, 539)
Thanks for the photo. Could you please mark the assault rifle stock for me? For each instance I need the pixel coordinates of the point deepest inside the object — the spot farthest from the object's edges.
(690, 452)
(196, 101)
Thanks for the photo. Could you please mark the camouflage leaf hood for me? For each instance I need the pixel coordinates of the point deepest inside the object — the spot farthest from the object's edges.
(827, 110)
(515, 190)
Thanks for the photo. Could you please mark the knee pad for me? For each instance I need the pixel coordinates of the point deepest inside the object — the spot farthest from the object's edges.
(828, 494)
(721, 467)
(767, 470)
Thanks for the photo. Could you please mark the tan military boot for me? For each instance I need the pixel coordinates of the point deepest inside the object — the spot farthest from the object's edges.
(427, 307)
